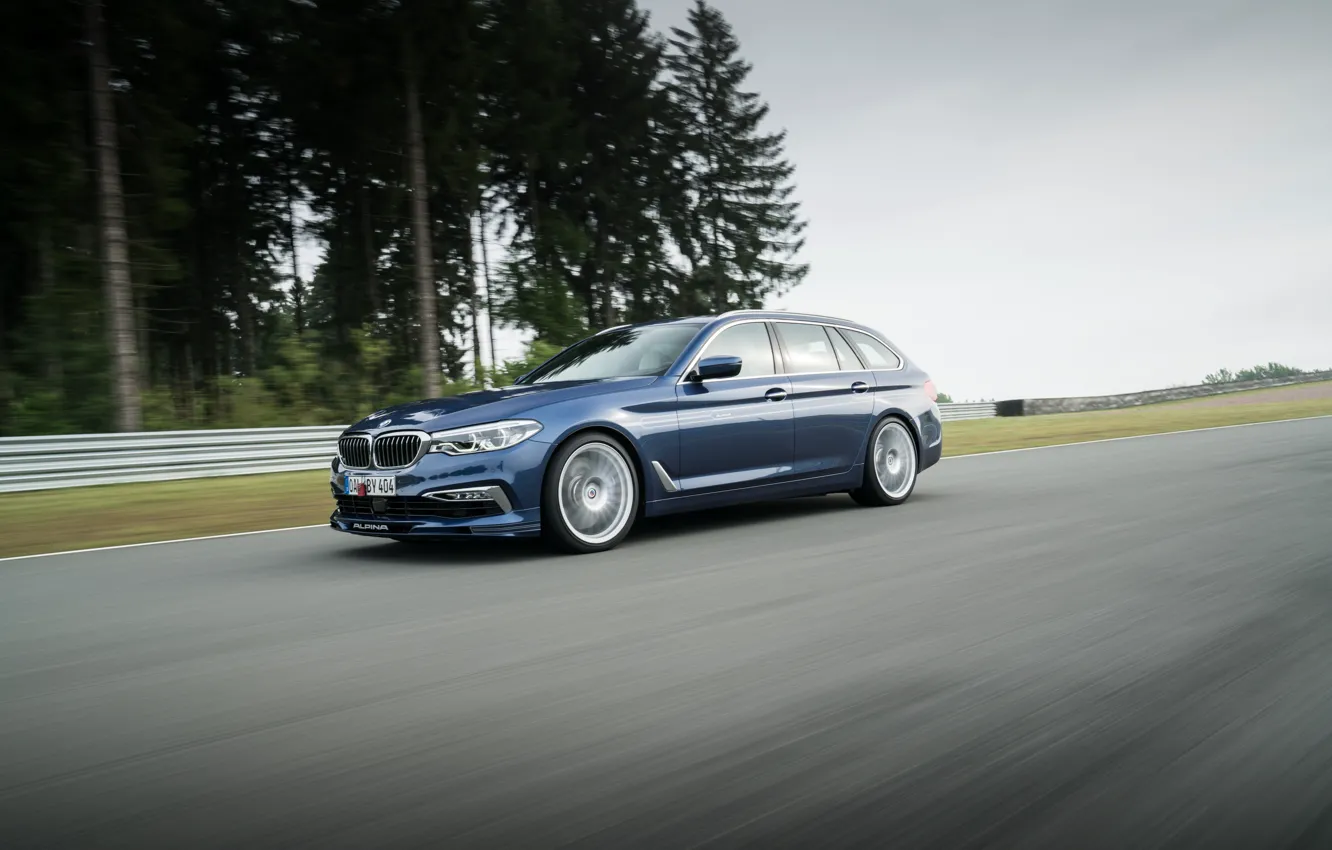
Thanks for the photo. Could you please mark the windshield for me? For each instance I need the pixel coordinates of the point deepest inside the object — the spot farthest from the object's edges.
(622, 353)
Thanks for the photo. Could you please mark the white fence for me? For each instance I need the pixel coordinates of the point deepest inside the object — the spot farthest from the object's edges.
(81, 460)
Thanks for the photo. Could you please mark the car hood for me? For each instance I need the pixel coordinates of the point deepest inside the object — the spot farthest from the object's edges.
(482, 406)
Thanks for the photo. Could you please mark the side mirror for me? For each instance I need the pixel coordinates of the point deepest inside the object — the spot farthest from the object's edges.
(713, 368)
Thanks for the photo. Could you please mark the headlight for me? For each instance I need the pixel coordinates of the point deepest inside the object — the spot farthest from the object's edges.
(490, 437)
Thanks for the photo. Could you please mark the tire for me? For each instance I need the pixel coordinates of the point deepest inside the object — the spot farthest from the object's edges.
(892, 465)
(590, 495)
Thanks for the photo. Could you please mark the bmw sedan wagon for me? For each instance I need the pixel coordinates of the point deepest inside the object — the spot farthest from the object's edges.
(644, 420)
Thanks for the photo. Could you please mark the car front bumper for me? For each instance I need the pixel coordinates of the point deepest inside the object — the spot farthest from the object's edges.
(491, 494)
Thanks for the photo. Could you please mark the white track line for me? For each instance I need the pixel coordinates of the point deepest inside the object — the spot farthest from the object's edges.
(163, 542)
(954, 457)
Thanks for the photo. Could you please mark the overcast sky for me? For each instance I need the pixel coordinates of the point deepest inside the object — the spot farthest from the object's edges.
(1056, 197)
(1059, 198)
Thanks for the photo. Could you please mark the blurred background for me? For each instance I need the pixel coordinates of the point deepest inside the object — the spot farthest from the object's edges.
(224, 213)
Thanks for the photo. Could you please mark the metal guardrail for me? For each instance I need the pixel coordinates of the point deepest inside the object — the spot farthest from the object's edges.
(82, 460)
(980, 410)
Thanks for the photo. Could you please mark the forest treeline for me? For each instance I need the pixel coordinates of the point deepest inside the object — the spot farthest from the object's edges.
(550, 165)
(1262, 371)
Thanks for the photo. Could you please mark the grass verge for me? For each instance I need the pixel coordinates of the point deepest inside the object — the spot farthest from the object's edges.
(108, 515)
(112, 514)
(976, 436)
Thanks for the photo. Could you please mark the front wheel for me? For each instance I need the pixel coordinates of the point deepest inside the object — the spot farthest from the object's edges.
(590, 495)
(891, 466)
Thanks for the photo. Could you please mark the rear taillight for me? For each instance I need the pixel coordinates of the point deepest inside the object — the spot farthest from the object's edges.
(930, 390)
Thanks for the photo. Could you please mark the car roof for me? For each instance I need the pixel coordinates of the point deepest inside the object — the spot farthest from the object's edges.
(768, 315)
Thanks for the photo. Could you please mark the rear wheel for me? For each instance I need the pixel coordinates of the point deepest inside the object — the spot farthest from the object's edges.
(590, 496)
(891, 466)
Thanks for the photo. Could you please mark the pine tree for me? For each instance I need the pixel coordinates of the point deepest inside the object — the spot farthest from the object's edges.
(534, 138)
(119, 304)
(616, 100)
(740, 230)
(607, 189)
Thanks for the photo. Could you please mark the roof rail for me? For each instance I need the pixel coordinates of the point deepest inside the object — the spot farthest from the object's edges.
(822, 316)
(783, 310)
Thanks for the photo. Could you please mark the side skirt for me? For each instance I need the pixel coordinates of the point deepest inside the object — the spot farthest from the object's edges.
(759, 493)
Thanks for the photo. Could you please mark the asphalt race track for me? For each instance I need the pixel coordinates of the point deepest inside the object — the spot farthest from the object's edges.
(1121, 645)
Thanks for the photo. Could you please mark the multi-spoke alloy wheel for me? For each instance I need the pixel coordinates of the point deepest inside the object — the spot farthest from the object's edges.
(890, 465)
(591, 495)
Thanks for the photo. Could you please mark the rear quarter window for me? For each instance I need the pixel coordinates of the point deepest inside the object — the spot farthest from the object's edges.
(874, 353)
(845, 354)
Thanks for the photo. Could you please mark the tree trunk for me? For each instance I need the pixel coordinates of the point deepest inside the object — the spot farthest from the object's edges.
(485, 273)
(474, 307)
(115, 250)
(586, 282)
(371, 254)
(425, 265)
(191, 379)
(6, 380)
(52, 367)
(141, 324)
(607, 271)
(297, 288)
(245, 323)
(537, 253)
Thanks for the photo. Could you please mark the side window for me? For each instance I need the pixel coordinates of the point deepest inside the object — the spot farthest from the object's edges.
(873, 352)
(749, 342)
(845, 355)
(807, 348)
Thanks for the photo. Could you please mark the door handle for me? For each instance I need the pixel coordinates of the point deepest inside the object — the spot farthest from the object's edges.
(859, 387)
(775, 394)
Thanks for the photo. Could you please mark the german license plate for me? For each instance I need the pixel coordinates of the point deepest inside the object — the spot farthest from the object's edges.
(374, 485)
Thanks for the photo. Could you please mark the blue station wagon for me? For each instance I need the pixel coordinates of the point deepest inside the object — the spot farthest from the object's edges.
(645, 420)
